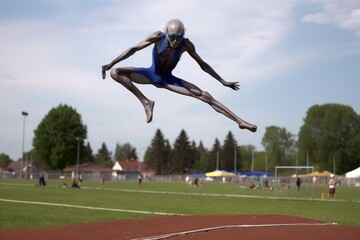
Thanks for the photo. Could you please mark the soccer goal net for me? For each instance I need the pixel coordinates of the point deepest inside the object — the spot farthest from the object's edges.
(295, 181)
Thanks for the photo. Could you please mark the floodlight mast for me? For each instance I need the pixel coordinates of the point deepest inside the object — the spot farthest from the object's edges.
(77, 157)
(25, 114)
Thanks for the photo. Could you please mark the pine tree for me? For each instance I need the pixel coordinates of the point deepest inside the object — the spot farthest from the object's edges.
(157, 155)
(215, 158)
(103, 156)
(182, 155)
(228, 153)
(89, 156)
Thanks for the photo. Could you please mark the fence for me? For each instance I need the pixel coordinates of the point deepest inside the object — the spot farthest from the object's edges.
(132, 176)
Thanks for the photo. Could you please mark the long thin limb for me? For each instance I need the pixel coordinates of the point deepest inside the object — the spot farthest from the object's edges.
(190, 89)
(126, 76)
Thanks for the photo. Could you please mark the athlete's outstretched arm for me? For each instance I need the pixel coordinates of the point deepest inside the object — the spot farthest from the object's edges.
(154, 37)
(190, 48)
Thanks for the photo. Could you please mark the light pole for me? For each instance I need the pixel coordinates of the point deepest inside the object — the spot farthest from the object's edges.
(25, 114)
(252, 161)
(297, 153)
(266, 165)
(139, 163)
(78, 157)
(235, 159)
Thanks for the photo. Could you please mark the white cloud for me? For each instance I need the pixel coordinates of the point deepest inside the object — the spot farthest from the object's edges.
(342, 14)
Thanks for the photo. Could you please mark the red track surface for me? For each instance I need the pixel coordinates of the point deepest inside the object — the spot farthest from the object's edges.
(294, 228)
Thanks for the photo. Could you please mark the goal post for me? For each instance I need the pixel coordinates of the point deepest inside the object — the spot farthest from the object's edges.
(309, 173)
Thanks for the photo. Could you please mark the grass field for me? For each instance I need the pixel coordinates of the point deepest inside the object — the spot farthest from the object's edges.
(23, 205)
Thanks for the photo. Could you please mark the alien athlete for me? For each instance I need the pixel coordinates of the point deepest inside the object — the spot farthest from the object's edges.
(158, 75)
(168, 48)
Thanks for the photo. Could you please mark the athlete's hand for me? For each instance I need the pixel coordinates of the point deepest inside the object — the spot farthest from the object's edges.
(104, 69)
(233, 85)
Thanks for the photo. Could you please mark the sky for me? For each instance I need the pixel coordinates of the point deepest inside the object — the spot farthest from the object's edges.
(286, 55)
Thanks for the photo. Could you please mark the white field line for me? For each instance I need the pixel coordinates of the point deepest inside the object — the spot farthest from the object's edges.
(231, 226)
(204, 194)
(217, 195)
(86, 207)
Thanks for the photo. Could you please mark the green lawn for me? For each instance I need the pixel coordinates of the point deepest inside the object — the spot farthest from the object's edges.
(118, 199)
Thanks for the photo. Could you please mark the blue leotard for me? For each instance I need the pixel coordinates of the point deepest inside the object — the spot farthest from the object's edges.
(153, 73)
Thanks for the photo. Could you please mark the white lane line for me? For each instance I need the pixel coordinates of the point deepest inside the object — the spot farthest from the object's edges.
(230, 226)
(87, 207)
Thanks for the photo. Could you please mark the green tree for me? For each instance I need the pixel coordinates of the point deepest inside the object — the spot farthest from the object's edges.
(279, 144)
(182, 156)
(125, 152)
(331, 132)
(228, 152)
(89, 156)
(4, 159)
(103, 156)
(215, 158)
(158, 154)
(246, 153)
(55, 141)
(202, 162)
(195, 155)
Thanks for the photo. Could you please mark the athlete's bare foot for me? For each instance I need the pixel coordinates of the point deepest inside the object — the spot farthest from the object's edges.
(149, 111)
(250, 127)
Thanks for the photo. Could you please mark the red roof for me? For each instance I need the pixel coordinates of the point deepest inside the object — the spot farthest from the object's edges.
(88, 168)
(127, 165)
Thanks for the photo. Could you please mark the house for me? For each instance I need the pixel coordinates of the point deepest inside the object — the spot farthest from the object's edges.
(2, 169)
(130, 169)
(30, 169)
(88, 171)
(14, 167)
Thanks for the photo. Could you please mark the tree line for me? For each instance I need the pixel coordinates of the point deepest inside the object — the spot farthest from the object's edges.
(329, 139)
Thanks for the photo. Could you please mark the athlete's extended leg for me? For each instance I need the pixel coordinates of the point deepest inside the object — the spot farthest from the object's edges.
(192, 90)
(206, 97)
(126, 77)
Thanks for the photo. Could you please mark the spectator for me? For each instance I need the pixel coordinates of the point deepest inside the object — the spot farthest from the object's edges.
(196, 182)
(251, 185)
(266, 183)
(140, 178)
(75, 183)
(298, 184)
(80, 179)
(102, 181)
(332, 184)
(42, 180)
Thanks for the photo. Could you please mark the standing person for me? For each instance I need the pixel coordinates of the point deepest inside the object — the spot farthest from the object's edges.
(80, 178)
(298, 184)
(102, 181)
(266, 183)
(168, 48)
(315, 180)
(42, 181)
(140, 178)
(332, 184)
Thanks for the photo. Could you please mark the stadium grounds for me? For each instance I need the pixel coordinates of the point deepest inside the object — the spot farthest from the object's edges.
(24, 206)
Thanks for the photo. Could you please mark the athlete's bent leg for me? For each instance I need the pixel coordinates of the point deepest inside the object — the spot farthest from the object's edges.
(125, 76)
